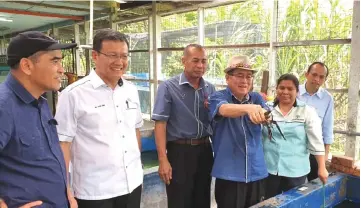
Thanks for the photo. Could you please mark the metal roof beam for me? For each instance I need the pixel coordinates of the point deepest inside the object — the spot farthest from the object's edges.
(23, 12)
(50, 6)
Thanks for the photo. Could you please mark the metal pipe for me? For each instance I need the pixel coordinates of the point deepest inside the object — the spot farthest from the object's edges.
(40, 14)
(91, 23)
(348, 133)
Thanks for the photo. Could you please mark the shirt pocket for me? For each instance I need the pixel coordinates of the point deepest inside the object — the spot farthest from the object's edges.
(131, 112)
(296, 133)
(32, 147)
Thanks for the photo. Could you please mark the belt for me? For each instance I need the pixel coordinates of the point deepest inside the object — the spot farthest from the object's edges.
(203, 140)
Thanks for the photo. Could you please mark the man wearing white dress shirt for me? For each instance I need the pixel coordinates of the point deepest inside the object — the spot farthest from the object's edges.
(98, 119)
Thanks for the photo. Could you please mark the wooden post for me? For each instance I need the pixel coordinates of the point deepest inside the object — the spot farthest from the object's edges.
(265, 80)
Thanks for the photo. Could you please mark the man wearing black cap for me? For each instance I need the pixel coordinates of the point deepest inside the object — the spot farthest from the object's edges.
(32, 165)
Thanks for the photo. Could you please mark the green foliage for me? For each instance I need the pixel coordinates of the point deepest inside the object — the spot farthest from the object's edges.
(305, 20)
(137, 27)
(171, 63)
(179, 21)
(250, 22)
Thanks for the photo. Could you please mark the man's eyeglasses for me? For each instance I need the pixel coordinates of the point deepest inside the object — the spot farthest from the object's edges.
(114, 57)
(241, 76)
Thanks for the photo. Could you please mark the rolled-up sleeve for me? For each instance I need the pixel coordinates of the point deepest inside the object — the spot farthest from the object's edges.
(163, 104)
(327, 124)
(314, 132)
(66, 117)
(215, 101)
(6, 127)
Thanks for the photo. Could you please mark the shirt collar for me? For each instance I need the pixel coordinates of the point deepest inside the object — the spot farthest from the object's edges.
(298, 103)
(183, 80)
(19, 89)
(244, 100)
(303, 91)
(95, 80)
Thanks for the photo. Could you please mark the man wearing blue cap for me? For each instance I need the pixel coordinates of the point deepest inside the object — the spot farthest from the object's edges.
(32, 172)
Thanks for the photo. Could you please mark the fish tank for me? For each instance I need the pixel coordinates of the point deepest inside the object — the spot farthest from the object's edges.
(340, 191)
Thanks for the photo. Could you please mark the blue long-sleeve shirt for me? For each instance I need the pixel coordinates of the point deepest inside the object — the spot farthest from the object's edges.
(237, 142)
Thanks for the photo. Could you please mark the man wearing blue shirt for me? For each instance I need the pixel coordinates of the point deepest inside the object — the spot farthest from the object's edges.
(314, 95)
(182, 130)
(32, 169)
(239, 165)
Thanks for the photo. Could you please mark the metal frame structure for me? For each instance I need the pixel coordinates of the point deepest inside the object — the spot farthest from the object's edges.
(352, 143)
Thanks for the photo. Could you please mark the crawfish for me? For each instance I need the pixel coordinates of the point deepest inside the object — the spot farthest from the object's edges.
(270, 124)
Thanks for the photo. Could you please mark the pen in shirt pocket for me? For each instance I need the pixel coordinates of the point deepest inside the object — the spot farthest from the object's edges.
(130, 104)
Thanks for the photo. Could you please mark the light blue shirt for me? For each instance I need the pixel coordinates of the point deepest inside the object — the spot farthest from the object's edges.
(302, 130)
(322, 101)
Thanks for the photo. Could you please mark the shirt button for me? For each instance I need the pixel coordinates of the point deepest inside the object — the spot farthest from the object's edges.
(125, 151)
(123, 136)
(120, 121)
(126, 166)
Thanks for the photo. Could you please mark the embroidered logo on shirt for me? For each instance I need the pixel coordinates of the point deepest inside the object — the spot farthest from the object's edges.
(99, 106)
(183, 96)
(298, 118)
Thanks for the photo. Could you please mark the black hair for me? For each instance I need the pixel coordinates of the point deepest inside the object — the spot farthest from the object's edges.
(108, 34)
(319, 63)
(289, 77)
(15, 66)
(34, 58)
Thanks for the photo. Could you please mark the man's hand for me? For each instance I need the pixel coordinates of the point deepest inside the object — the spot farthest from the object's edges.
(256, 113)
(32, 204)
(72, 201)
(2, 204)
(165, 171)
(28, 205)
(323, 174)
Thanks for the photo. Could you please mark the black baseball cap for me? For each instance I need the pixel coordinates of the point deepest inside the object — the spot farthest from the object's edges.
(27, 43)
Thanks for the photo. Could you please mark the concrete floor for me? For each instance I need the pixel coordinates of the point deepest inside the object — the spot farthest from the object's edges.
(154, 193)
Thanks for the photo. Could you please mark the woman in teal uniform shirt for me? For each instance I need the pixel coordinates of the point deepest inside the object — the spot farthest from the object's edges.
(287, 150)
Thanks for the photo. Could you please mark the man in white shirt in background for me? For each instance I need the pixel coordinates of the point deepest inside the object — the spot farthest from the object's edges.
(99, 118)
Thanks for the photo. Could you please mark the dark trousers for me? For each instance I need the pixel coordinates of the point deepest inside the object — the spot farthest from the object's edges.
(131, 200)
(232, 194)
(277, 184)
(191, 175)
(314, 168)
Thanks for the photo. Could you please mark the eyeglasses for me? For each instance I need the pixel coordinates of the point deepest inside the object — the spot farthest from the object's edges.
(114, 57)
(242, 76)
